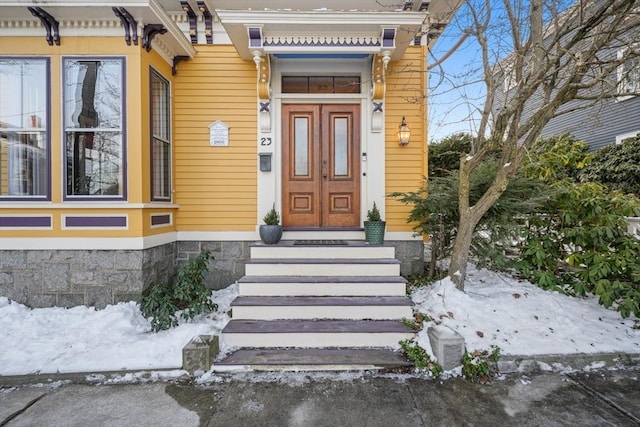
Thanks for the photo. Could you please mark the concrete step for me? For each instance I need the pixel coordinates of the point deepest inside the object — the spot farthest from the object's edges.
(350, 249)
(315, 333)
(355, 308)
(311, 359)
(322, 267)
(322, 286)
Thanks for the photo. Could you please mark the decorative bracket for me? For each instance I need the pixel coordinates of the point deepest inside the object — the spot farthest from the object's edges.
(149, 32)
(130, 25)
(193, 23)
(378, 89)
(176, 60)
(49, 23)
(263, 66)
(208, 18)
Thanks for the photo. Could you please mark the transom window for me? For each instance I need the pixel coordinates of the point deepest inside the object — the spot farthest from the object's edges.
(160, 138)
(24, 120)
(320, 84)
(93, 123)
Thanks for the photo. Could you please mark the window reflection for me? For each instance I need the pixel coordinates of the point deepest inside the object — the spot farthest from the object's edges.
(24, 154)
(93, 95)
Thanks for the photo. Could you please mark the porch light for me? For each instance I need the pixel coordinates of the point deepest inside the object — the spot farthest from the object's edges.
(404, 132)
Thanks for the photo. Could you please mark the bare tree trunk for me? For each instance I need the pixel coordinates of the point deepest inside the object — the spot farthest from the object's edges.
(470, 216)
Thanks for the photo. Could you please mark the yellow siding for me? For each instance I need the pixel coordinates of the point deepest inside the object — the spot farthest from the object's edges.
(215, 186)
(405, 166)
(137, 63)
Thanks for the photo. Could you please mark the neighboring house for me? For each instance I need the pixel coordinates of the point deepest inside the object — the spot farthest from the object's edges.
(606, 121)
(135, 134)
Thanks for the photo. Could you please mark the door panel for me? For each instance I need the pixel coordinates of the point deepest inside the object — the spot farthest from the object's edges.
(321, 165)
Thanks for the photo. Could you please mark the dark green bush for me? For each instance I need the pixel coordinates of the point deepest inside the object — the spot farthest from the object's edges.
(617, 166)
(186, 295)
(578, 243)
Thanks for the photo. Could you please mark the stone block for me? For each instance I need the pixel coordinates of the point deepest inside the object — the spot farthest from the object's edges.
(447, 345)
(98, 296)
(37, 257)
(70, 300)
(13, 260)
(99, 260)
(14, 293)
(231, 250)
(83, 277)
(126, 297)
(189, 247)
(41, 300)
(128, 260)
(57, 278)
(199, 353)
(6, 278)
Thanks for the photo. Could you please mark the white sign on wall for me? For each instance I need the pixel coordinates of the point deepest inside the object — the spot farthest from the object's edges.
(218, 134)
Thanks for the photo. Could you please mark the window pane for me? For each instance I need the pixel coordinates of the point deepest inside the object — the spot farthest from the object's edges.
(292, 84)
(24, 156)
(320, 84)
(93, 117)
(94, 163)
(340, 147)
(161, 143)
(93, 93)
(347, 85)
(301, 146)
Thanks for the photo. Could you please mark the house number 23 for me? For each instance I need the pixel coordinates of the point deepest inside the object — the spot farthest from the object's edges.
(265, 142)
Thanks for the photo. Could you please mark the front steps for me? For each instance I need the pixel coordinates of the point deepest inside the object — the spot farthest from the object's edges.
(318, 307)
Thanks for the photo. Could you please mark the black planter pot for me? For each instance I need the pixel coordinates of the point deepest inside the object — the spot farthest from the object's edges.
(270, 234)
(374, 232)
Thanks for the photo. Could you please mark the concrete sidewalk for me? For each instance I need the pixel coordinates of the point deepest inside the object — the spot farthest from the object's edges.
(585, 399)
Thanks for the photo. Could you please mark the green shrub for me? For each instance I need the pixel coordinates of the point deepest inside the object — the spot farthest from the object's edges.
(578, 243)
(420, 358)
(272, 217)
(374, 214)
(480, 366)
(617, 166)
(187, 295)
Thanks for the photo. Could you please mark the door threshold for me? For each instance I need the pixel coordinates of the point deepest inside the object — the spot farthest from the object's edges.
(321, 229)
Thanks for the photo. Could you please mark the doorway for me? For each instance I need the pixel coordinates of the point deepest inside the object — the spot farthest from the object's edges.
(321, 165)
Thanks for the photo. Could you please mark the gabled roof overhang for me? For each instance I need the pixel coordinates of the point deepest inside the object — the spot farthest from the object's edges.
(281, 32)
(99, 17)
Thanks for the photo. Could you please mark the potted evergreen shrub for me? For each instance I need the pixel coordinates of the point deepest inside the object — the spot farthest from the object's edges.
(374, 227)
(271, 231)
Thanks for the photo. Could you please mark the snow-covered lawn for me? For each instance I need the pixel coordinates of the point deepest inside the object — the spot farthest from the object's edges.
(496, 309)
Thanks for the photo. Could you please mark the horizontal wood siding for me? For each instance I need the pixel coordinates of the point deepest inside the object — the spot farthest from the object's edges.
(405, 166)
(598, 125)
(215, 186)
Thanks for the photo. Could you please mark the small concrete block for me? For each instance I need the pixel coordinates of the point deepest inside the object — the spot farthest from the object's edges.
(447, 345)
(199, 353)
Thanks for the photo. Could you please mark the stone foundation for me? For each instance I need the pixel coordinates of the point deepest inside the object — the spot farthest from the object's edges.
(67, 278)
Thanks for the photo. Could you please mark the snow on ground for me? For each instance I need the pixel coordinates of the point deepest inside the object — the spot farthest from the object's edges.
(495, 309)
(523, 319)
(83, 339)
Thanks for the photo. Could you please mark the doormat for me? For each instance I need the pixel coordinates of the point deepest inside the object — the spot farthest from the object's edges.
(320, 242)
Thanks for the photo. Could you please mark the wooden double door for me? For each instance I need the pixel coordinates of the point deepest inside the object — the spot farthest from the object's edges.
(321, 165)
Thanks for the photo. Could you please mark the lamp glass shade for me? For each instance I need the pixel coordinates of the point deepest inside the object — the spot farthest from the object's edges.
(404, 133)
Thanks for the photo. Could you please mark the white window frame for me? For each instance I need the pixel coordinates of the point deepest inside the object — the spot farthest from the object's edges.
(623, 81)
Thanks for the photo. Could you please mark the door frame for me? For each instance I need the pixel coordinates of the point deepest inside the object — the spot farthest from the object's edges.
(372, 175)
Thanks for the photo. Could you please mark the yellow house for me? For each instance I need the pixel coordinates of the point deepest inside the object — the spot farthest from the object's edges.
(135, 135)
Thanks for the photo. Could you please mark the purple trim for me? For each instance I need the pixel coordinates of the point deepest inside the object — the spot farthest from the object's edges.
(25, 221)
(160, 219)
(95, 221)
(388, 37)
(255, 37)
(153, 71)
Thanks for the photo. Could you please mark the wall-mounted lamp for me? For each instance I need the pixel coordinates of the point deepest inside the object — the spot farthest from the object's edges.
(404, 132)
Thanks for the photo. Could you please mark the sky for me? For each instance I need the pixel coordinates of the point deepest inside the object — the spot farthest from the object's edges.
(451, 105)
(495, 309)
